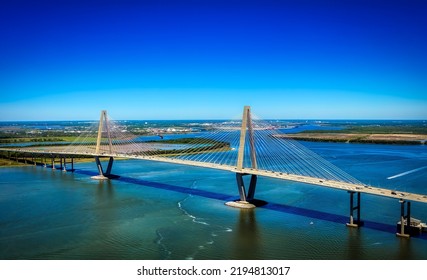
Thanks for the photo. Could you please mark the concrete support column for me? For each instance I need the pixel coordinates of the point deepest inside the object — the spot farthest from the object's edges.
(104, 175)
(354, 222)
(405, 230)
(252, 186)
(64, 169)
(110, 166)
(241, 187)
(98, 164)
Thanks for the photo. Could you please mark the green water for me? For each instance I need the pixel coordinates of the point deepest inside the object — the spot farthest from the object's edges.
(164, 211)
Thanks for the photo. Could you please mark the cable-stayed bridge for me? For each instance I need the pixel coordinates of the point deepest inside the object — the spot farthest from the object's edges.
(247, 147)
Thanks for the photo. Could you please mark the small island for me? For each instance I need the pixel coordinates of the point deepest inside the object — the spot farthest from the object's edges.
(403, 139)
(373, 134)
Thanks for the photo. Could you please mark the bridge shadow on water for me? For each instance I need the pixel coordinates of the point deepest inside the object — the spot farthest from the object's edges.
(310, 213)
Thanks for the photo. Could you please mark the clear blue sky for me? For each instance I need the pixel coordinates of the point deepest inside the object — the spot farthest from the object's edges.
(341, 59)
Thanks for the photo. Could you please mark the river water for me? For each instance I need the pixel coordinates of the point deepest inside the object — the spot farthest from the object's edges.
(164, 211)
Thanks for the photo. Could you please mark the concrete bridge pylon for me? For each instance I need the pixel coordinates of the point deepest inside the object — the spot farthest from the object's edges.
(104, 128)
(246, 133)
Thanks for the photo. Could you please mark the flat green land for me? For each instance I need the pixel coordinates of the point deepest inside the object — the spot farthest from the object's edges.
(10, 140)
(7, 162)
(191, 146)
(187, 141)
(376, 134)
(30, 139)
(405, 139)
(207, 145)
(377, 129)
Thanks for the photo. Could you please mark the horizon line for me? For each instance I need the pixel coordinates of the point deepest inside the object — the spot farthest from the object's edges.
(220, 119)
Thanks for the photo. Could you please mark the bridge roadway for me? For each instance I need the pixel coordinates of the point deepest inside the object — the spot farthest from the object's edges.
(350, 187)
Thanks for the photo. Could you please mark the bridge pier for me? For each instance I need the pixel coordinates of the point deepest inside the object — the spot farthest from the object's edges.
(241, 186)
(405, 231)
(245, 197)
(104, 175)
(53, 162)
(354, 222)
(64, 164)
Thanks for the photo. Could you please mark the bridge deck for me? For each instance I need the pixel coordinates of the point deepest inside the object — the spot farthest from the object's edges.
(284, 176)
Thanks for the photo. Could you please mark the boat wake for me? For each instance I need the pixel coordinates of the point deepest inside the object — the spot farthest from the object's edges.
(162, 245)
(215, 230)
(406, 173)
(192, 217)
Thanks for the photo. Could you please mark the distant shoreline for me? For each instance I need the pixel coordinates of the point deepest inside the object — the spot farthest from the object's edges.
(375, 138)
